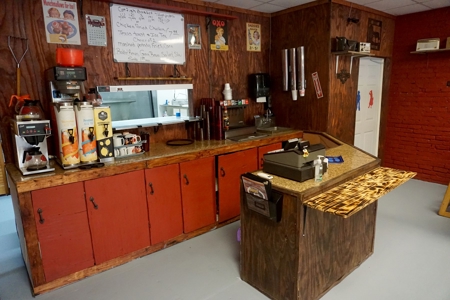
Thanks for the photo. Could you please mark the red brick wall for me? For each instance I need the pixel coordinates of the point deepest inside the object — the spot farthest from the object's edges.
(418, 122)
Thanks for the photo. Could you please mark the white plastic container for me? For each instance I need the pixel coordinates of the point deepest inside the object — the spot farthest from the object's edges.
(227, 92)
(318, 170)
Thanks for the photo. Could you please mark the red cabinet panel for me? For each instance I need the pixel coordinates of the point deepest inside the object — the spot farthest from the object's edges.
(64, 235)
(230, 168)
(118, 218)
(164, 203)
(263, 150)
(198, 193)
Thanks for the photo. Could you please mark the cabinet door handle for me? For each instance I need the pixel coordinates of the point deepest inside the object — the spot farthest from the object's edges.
(222, 172)
(93, 202)
(41, 219)
(185, 178)
(262, 162)
(151, 188)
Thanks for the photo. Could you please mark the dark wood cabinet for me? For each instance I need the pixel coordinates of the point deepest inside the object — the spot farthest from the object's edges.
(63, 230)
(164, 203)
(263, 150)
(230, 168)
(117, 210)
(198, 193)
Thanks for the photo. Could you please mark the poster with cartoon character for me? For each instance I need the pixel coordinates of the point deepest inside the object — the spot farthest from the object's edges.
(218, 35)
(61, 22)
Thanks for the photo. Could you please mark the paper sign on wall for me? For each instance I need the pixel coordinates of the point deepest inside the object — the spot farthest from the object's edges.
(315, 77)
(61, 22)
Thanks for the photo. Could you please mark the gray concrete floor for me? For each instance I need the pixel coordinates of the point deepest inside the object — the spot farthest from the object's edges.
(409, 262)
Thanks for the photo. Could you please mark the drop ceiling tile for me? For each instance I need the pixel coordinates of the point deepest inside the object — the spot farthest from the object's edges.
(247, 4)
(267, 8)
(384, 5)
(288, 3)
(364, 2)
(437, 3)
(409, 9)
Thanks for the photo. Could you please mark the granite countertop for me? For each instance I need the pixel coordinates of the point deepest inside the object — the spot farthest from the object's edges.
(160, 154)
(356, 162)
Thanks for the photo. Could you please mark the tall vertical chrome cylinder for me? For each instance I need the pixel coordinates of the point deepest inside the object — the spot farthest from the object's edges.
(285, 69)
(293, 72)
(301, 69)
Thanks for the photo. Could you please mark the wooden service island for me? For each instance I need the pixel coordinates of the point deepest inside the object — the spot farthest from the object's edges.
(326, 230)
(76, 223)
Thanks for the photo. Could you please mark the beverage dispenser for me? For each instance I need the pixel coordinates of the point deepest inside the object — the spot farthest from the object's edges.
(66, 86)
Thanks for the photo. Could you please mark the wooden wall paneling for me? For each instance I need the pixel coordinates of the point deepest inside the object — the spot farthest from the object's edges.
(209, 70)
(342, 107)
(310, 28)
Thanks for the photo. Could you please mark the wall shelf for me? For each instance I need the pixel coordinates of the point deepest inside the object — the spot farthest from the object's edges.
(153, 78)
(351, 54)
(169, 8)
(429, 51)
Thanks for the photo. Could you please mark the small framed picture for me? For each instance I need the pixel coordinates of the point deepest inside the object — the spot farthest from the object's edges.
(194, 36)
(253, 37)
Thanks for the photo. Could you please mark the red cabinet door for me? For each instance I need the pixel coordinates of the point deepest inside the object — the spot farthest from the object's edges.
(198, 193)
(117, 210)
(63, 230)
(230, 168)
(164, 203)
(263, 150)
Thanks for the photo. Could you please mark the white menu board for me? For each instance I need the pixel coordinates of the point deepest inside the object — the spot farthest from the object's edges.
(142, 35)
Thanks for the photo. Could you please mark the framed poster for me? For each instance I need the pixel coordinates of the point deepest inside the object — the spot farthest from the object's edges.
(194, 36)
(61, 22)
(253, 37)
(218, 35)
(374, 34)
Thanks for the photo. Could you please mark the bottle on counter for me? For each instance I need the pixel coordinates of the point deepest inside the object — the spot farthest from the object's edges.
(318, 169)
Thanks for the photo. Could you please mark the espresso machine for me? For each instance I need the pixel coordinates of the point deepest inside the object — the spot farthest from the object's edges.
(30, 143)
(66, 85)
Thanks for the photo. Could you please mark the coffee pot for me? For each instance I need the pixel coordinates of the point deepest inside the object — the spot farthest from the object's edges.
(33, 159)
(31, 110)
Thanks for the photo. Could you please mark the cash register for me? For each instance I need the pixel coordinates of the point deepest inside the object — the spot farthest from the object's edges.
(295, 161)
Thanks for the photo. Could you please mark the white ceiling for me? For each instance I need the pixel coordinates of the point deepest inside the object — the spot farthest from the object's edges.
(393, 7)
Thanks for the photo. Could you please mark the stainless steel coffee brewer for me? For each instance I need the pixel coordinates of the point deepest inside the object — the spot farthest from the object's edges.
(30, 143)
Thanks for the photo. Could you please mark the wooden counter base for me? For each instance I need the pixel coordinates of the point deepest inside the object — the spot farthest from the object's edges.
(23, 187)
(307, 253)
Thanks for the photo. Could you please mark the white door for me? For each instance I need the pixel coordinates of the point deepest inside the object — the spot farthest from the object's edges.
(368, 104)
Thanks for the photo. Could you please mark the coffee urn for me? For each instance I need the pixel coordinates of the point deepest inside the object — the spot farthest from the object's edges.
(66, 86)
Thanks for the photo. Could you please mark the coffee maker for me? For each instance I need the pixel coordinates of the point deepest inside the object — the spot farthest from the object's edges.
(66, 85)
(30, 143)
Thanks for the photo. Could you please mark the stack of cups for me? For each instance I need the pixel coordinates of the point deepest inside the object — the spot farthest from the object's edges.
(227, 92)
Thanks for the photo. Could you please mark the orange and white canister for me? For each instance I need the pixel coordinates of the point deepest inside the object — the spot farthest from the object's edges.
(84, 113)
(67, 134)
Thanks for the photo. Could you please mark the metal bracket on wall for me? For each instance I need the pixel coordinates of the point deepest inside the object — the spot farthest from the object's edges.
(343, 76)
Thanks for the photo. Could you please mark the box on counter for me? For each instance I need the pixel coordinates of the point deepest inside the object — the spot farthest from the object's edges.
(363, 47)
(104, 133)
